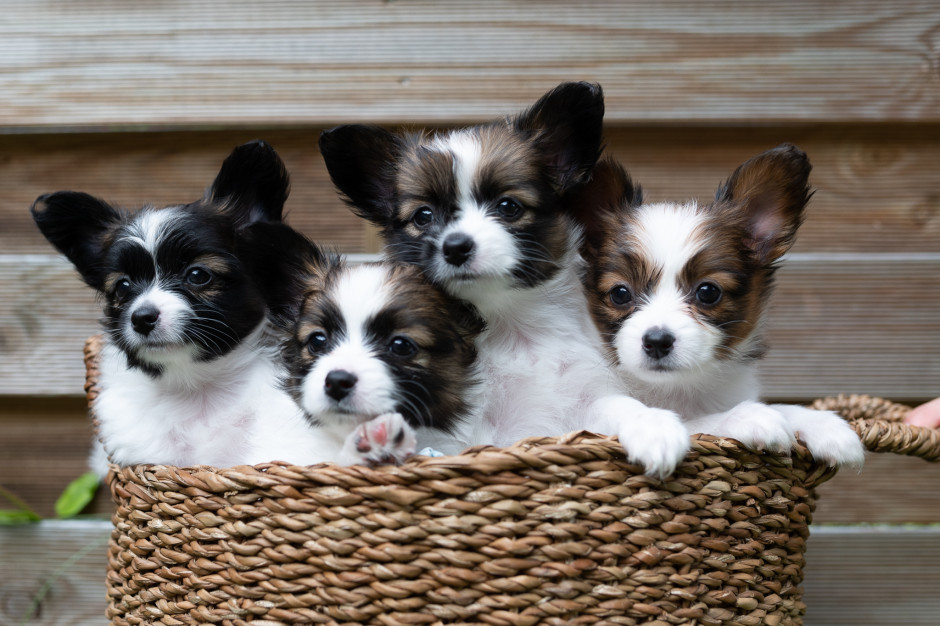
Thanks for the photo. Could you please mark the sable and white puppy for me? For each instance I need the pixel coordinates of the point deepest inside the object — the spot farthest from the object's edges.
(377, 357)
(483, 212)
(188, 374)
(680, 293)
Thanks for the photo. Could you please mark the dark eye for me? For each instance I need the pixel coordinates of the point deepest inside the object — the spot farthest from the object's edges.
(122, 288)
(423, 216)
(198, 276)
(316, 342)
(708, 293)
(508, 209)
(402, 347)
(621, 296)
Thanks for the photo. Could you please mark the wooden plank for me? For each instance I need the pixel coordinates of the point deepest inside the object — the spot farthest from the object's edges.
(877, 188)
(63, 561)
(872, 576)
(840, 324)
(865, 576)
(170, 64)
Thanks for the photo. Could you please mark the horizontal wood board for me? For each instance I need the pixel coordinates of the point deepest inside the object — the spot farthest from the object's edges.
(181, 64)
(861, 576)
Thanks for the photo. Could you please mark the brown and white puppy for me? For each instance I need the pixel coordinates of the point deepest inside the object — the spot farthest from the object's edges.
(483, 211)
(680, 293)
(372, 350)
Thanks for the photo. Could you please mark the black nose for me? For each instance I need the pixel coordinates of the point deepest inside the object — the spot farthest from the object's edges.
(457, 248)
(339, 383)
(657, 342)
(144, 319)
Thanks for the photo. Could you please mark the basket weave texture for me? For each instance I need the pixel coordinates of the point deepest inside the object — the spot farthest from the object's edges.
(551, 530)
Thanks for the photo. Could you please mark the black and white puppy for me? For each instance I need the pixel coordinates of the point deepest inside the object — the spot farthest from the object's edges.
(680, 292)
(188, 374)
(376, 356)
(483, 212)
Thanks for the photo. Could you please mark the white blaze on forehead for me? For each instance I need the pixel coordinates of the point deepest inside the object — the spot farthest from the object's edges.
(467, 152)
(148, 228)
(666, 233)
(360, 294)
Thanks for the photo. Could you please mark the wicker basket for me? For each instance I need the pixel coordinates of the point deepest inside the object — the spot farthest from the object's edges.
(552, 530)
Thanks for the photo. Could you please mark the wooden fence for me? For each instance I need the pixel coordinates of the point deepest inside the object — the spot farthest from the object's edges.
(140, 102)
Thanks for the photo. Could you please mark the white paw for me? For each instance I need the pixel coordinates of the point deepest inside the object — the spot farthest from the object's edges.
(654, 438)
(386, 439)
(827, 436)
(758, 426)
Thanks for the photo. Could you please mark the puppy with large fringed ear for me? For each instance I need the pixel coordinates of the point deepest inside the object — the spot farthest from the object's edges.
(681, 292)
(189, 374)
(483, 211)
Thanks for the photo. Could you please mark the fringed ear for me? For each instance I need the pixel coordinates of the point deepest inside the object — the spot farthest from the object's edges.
(567, 124)
(252, 185)
(286, 267)
(469, 322)
(362, 162)
(772, 189)
(78, 225)
(599, 205)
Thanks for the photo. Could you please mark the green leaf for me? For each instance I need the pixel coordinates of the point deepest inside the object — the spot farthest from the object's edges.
(77, 495)
(8, 517)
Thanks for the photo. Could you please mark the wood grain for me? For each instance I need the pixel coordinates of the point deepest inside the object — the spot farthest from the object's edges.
(109, 63)
(877, 187)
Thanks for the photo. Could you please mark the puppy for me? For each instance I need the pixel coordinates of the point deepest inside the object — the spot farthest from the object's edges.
(680, 293)
(188, 373)
(377, 357)
(483, 212)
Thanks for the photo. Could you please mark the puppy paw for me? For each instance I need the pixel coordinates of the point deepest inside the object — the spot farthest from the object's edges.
(827, 436)
(386, 439)
(758, 426)
(654, 438)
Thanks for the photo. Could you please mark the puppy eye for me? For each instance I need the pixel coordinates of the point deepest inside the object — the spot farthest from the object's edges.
(509, 209)
(198, 276)
(621, 296)
(423, 216)
(316, 342)
(708, 293)
(402, 347)
(122, 288)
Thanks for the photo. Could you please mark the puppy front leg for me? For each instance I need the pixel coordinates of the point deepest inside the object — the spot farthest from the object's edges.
(654, 438)
(755, 424)
(827, 436)
(386, 439)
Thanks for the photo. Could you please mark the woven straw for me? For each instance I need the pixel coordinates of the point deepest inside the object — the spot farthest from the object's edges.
(552, 530)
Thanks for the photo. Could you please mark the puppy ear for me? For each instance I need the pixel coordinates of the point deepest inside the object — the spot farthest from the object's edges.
(285, 266)
(361, 161)
(772, 190)
(600, 203)
(78, 225)
(567, 124)
(468, 319)
(252, 185)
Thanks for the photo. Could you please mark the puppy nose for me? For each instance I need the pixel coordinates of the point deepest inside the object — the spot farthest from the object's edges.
(658, 342)
(339, 384)
(144, 319)
(457, 248)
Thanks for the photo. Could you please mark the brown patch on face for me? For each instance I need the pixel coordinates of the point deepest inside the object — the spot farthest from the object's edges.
(425, 179)
(618, 261)
(726, 262)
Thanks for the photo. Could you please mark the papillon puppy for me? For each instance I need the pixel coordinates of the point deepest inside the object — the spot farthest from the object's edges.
(376, 356)
(680, 293)
(483, 212)
(188, 372)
